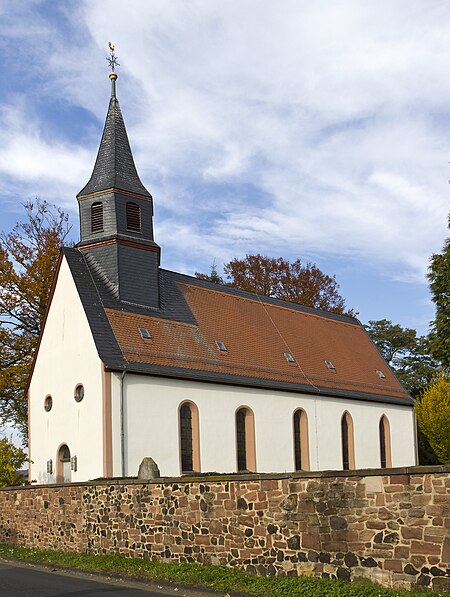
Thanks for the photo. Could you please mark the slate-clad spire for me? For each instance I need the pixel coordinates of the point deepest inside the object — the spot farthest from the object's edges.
(116, 213)
(114, 167)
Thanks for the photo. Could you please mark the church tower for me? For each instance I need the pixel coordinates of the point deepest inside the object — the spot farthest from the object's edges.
(116, 216)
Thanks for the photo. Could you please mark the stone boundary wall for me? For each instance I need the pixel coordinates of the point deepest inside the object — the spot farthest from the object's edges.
(391, 526)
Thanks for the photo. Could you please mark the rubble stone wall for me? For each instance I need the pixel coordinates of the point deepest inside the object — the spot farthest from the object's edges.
(389, 526)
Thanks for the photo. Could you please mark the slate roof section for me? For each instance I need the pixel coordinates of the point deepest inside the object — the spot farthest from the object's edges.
(256, 330)
(114, 167)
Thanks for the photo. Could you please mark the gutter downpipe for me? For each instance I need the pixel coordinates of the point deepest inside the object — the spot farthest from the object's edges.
(122, 423)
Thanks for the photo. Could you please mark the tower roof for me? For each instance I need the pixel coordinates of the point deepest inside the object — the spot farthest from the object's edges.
(114, 167)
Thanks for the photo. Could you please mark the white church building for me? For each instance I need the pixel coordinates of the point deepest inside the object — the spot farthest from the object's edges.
(137, 361)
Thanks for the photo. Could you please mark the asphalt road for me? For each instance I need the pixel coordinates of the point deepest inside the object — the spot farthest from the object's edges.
(19, 579)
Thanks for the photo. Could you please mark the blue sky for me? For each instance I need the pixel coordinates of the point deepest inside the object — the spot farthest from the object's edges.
(317, 130)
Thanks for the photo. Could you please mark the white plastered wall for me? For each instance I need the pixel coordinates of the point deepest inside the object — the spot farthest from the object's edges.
(151, 426)
(67, 357)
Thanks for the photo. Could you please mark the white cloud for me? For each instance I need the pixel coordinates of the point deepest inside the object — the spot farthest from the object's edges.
(329, 117)
(37, 166)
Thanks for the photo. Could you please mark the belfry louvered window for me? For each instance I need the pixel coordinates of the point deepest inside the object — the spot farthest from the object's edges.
(97, 217)
(133, 217)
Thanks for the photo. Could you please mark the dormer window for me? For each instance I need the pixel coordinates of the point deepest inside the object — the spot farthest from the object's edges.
(221, 346)
(133, 217)
(145, 334)
(289, 357)
(97, 217)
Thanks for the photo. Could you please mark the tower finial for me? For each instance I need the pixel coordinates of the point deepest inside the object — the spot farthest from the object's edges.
(112, 59)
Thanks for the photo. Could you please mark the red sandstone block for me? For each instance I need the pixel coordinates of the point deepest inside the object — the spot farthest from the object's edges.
(438, 481)
(379, 499)
(401, 552)
(356, 526)
(441, 498)
(375, 524)
(269, 484)
(310, 541)
(335, 546)
(261, 506)
(411, 532)
(446, 551)
(421, 547)
(435, 510)
(399, 479)
(420, 499)
(274, 494)
(434, 534)
(417, 561)
(394, 488)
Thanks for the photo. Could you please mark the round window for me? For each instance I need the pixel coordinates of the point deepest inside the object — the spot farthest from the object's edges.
(79, 393)
(48, 403)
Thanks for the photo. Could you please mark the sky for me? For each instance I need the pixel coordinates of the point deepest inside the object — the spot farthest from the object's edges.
(314, 130)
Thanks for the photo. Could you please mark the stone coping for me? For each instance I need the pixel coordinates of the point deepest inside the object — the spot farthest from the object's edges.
(232, 477)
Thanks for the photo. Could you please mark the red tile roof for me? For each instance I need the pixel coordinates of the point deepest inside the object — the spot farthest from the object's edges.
(256, 335)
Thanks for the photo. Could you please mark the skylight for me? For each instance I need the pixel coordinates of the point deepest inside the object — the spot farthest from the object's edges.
(221, 346)
(145, 334)
(380, 374)
(329, 364)
(289, 357)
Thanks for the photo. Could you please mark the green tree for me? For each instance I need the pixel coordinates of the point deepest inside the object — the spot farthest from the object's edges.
(12, 459)
(433, 415)
(282, 279)
(28, 258)
(212, 277)
(439, 279)
(407, 354)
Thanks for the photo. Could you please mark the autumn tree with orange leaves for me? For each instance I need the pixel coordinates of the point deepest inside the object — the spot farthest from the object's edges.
(279, 278)
(28, 258)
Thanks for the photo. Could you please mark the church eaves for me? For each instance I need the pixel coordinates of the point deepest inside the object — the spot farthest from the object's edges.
(114, 167)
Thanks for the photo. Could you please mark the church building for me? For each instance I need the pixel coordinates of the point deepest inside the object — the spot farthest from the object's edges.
(138, 361)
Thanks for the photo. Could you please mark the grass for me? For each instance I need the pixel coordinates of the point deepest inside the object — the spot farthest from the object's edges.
(213, 577)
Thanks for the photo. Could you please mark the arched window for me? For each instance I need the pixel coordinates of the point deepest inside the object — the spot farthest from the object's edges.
(348, 445)
(385, 443)
(245, 440)
(133, 217)
(189, 437)
(63, 465)
(97, 217)
(301, 442)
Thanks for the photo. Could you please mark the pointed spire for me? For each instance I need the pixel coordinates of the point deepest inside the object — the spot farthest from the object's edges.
(114, 167)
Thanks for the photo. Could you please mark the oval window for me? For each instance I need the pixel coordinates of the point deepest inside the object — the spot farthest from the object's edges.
(79, 393)
(48, 403)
